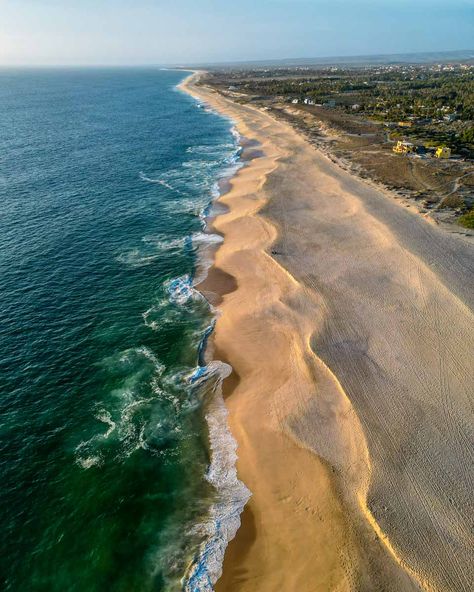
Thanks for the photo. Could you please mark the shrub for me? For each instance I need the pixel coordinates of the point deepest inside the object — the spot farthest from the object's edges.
(467, 220)
(452, 201)
(468, 135)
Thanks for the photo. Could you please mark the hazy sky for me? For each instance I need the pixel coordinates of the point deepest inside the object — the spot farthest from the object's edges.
(186, 31)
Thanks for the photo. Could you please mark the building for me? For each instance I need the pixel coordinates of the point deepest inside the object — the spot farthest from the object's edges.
(402, 147)
(443, 152)
(405, 124)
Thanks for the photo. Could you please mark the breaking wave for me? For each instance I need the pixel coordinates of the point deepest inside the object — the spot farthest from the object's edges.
(147, 409)
(153, 248)
(224, 515)
(162, 182)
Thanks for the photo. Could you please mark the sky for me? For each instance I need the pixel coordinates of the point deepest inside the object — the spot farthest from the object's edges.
(145, 32)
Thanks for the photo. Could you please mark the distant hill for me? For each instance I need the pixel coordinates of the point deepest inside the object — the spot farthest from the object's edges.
(465, 56)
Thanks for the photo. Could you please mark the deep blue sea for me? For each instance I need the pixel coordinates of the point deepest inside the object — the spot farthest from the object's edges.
(116, 469)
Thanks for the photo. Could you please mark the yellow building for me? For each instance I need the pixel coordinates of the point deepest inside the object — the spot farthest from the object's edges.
(402, 147)
(443, 152)
(405, 124)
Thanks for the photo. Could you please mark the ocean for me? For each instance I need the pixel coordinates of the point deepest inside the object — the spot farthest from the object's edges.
(116, 467)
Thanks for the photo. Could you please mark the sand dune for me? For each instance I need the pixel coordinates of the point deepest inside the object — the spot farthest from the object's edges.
(350, 331)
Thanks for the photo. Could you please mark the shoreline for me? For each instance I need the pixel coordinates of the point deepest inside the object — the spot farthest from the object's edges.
(238, 547)
(223, 520)
(310, 501)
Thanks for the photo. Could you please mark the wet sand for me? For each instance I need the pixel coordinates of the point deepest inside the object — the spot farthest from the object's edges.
(348, 322)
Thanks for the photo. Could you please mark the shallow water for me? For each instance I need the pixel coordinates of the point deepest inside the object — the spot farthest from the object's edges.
(105, 176)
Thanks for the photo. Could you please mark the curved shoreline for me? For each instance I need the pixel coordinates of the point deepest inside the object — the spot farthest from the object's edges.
(223, 518)
(333, 513)
(308, 525)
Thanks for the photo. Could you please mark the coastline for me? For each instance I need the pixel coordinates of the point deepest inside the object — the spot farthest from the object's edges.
(334, 536)
(309, 509)
(223, 521)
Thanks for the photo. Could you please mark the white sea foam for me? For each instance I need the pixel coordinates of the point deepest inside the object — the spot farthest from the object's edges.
(159, 368)
(205, 244)
(206, 238)
(201, 165)
(148, 318)
(136, 258)
(180, 290)
(160, 181)
(224, 515)
(87, 455)
(90, 461)
(204, 106)
(235, 132)
(130, 433)
(209, 149)
(183, 206)
(160, 315)
(121, 413)
(105, 417)
(160, 242)
(152, 250)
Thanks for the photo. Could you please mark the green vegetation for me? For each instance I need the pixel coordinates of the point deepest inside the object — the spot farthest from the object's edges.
(370, 108)
(467, 135)
(467, 220)
(435, 103)
(389, 92)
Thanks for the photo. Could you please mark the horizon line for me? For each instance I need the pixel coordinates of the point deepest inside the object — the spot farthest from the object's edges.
(193, 65)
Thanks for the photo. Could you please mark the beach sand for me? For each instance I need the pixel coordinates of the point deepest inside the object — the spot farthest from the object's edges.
(348, 322)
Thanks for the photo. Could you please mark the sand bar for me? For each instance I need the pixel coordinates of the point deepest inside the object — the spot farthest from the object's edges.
(349, 325)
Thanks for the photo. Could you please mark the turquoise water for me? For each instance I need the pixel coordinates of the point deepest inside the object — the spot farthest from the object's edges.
(107, 407)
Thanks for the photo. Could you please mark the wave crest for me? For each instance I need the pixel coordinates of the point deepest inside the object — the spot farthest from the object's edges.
(224, 515)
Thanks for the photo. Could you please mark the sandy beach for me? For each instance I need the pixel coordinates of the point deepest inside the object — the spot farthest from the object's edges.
(347, 320)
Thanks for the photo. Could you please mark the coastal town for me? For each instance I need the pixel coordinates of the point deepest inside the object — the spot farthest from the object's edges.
(407, 127)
